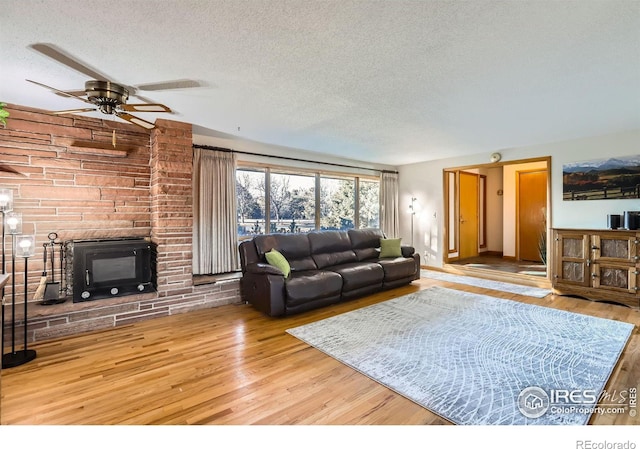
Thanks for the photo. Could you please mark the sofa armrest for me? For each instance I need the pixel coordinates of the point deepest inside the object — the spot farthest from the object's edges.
(407, 251)
(263, 268)
(265, 291)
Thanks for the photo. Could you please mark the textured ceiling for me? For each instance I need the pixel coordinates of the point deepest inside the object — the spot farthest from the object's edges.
(391, 82)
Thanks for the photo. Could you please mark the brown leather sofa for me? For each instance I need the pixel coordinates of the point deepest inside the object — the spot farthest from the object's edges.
(326, 267)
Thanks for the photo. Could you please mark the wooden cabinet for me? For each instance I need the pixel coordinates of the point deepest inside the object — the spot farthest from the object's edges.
(602, 265)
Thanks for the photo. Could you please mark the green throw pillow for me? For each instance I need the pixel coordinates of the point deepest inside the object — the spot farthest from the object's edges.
(279, 261)
(390, 248)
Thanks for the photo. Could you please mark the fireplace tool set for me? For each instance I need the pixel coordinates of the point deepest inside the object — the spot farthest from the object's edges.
(49, 289)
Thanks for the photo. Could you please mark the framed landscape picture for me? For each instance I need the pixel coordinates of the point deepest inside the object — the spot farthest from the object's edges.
(602, 179)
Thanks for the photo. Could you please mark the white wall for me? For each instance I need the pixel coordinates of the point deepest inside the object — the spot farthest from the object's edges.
(495, 212)
(202, 136)
(425, 182)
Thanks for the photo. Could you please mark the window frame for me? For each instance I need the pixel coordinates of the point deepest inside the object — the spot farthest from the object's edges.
(268, 169)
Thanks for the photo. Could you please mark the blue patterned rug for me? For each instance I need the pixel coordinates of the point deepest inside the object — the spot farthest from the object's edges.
(486, 283)
(476, 359)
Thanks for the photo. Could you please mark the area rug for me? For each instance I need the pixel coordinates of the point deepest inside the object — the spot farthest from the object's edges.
(486, 283)
(472, 358)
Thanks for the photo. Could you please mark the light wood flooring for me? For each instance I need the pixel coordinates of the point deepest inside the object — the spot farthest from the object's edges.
(498, 263)
(233, 365)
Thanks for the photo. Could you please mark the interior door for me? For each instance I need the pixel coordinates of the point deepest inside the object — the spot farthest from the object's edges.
(532, 206)
(468, 215)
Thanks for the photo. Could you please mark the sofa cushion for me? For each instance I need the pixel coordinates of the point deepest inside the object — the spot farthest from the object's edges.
(294, 247)
(329, 248)
(390, 248)
(365, 242)
(305, 286)
(359, 274)
(398, 268)
(275, 258)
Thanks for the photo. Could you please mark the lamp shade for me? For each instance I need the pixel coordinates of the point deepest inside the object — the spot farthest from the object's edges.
(6, 200)
(26, 246)
(13, 222)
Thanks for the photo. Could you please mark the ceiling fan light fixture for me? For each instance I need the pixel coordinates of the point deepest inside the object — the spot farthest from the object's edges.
(106, 90)
(107, 108)
(106, 95)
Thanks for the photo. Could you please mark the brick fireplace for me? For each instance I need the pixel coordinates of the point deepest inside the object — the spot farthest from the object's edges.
(82, 192)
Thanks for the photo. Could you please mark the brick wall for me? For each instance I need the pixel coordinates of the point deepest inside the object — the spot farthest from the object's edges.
(82, 192)
(171, 206)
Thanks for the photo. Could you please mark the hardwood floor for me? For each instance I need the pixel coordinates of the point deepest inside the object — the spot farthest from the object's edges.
(501, 264)
(232, 365)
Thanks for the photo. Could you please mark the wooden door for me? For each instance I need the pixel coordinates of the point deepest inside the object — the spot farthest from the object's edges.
(532, 206)
(468, 215)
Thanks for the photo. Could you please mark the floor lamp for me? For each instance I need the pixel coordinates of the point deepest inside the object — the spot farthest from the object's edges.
(412, 211)
(22, 246)
(6, 205)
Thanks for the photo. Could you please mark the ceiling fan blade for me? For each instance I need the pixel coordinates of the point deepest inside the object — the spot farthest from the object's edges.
(60, 92)
(145, 107)
(167, 85)
(135, 120)
(58, 55)
(75, 93)
(73, 111)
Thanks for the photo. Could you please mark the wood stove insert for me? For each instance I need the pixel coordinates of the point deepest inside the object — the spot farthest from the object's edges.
(110, 268)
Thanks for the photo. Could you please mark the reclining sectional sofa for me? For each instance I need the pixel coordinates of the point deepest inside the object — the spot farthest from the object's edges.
(326, 267)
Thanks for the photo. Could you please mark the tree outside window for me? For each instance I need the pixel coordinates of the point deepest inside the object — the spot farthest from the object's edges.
(292, 204)
(251, 205)
(292, 199)
(369, 198)
(337, 197)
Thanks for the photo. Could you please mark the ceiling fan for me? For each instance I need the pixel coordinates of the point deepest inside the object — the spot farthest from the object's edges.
(105, 95)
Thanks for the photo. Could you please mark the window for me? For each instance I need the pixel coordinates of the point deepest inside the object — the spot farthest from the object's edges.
(277, 200)
(251, 202)
(369, 204)
(292, 200)
(337, 203)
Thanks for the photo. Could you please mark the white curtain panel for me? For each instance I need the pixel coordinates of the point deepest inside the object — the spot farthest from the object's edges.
(215, 236)
(389, 204)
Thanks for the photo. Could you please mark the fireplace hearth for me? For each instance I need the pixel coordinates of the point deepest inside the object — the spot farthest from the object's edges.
(98, 269)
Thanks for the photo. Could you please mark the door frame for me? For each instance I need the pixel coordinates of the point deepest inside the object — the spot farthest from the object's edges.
(450, 246)
(452, 211)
